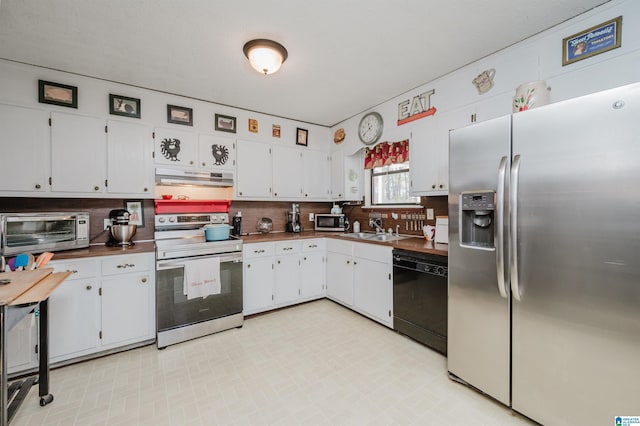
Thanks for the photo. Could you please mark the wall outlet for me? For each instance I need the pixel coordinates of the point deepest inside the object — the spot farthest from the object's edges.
(429, 214)
(312, 217)
(107, 223)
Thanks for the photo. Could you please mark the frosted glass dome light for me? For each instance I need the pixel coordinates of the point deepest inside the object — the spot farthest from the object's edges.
(266, 56)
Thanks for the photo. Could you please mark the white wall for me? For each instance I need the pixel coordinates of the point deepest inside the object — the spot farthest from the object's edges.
(19, 86)
(536, 58)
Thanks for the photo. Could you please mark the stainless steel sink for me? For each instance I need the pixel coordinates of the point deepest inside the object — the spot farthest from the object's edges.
(374, 237)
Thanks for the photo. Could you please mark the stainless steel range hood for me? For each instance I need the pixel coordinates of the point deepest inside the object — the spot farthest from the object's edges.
(190, 178)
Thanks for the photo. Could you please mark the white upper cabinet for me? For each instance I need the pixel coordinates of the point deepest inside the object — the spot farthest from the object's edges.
(25, 159)
(175, 147)
(253, 169)
(78, 153)
(347, 176)
(288, 172)
(316, 175)
(129, 158)
(216, 152)
(429, 151)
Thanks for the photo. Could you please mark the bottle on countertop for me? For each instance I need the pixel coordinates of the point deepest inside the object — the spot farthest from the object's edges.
(237, 225)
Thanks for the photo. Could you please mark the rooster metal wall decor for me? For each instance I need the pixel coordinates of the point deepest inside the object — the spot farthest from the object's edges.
(170, 148)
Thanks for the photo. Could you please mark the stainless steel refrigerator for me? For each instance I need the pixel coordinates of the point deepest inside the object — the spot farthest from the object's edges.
(544, 259)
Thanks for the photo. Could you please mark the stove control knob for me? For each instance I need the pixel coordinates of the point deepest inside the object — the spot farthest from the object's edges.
(172, 219)
(161, 219)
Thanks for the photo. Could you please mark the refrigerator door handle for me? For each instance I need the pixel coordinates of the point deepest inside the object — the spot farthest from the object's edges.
(499, 227)
(513, 219)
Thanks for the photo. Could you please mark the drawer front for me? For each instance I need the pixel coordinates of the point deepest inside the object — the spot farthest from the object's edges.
(339, 246)
(318, 244)
(252, 251)
(288, 247)
(373, 252)
(79, 269)
(113, 265)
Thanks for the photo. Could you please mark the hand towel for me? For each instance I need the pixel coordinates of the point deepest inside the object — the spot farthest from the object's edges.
(201, 277)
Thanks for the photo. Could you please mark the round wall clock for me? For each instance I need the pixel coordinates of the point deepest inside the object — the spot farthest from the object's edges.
(370, 128)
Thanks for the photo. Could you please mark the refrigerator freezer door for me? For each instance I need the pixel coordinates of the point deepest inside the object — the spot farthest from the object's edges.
(478, 323)
(576, 328)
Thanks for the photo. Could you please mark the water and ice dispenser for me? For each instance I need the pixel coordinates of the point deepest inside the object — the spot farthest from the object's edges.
(477, 219)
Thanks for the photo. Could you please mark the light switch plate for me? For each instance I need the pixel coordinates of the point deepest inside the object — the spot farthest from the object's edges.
(312, 217)
(107, 222)
(429, 214)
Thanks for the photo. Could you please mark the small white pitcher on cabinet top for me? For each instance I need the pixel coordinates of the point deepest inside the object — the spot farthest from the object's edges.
(531, 95)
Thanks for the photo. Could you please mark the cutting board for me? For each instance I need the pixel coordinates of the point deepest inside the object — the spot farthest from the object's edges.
(21, 281)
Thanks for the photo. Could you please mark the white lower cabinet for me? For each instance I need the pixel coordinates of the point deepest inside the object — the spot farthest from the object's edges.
(22, 341)
(283, 273)
(128, 300)
(106, 303)
(356, 275)
(360, 276)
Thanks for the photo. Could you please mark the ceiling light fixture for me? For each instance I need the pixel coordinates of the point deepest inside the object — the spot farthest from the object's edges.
(266, 56)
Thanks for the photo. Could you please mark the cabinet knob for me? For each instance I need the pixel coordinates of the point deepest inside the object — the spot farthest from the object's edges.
(304, 258)
(144, 280)
(204, 164)
(38, 186)
(306, 195)
(278, 262)
(248, 265)
(191, 162)
(240, 193)
(339, 195)
(89, 287)
(441, 186)
(275, 194)
(146, 189)
(355, 263)
(348, 262)
(433, 187)
(96, 188)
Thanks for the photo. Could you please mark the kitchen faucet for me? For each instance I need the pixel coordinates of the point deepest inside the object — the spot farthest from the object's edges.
(377, 224)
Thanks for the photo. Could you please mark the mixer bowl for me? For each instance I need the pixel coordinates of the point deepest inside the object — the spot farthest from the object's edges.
(122, 234)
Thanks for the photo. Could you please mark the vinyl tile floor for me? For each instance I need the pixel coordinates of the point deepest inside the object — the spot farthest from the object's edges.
(313, 364)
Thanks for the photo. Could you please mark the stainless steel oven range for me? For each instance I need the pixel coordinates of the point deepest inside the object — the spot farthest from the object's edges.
(180, 241)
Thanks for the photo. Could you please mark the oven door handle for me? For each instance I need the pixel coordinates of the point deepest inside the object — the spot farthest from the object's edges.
(224, 258)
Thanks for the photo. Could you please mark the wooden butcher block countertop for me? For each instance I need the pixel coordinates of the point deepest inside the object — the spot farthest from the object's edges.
(26, 287)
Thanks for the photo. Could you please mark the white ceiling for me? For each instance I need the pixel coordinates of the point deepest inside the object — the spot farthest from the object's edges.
(345, 56)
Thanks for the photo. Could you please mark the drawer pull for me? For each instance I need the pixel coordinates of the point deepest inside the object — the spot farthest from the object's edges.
(126, 265)
(73, 271)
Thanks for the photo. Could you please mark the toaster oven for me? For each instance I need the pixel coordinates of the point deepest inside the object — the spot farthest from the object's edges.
(40, 232)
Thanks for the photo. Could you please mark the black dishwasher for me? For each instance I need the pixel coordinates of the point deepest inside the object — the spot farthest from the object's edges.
(420, 297)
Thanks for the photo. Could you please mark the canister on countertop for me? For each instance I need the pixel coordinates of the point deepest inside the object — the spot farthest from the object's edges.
(356, 226)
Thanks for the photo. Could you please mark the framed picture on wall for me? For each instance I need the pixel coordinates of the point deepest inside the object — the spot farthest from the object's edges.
(57, 94)
(302, 136)
(225, 123)
(179, 115)
(592, 41)
(136, 212)
(125, 106)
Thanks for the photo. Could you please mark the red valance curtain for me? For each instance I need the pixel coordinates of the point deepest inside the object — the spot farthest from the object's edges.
(386, 153)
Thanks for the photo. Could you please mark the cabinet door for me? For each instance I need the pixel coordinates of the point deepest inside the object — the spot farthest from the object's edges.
(78, 153)
(423, 168)
(253, 170)
(316, 175)
(354, 176)
(73, 319)
(286, 279)
(257, 285)
(288, 172)
(21, 345)
(24, 163)
(216, 152)
(313, 275)
(175, 147)
(127, 303)
(129, 158)
(340, 278)
(373, 289)
(337, 175)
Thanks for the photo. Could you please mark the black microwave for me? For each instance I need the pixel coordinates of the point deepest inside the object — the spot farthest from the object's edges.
(331, 222)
